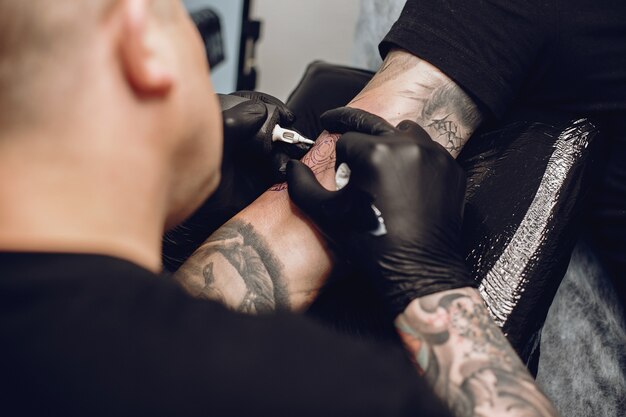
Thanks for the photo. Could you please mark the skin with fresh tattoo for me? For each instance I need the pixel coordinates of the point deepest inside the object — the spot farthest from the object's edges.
(466, 358)
(321, 158)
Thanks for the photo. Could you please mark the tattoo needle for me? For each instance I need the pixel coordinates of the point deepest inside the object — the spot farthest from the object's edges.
(280, 134)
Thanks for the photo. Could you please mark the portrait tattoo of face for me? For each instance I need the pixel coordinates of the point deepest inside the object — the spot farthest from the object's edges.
(236, 267)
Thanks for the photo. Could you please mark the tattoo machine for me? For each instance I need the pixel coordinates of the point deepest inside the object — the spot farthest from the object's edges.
(271, 131)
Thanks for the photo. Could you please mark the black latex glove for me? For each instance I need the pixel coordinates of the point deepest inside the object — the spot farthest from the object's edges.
(245, 175)
(418, 189)
(279, 153)
(286, 116)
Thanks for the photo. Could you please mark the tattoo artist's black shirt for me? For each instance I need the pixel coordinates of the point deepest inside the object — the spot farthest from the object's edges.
(84, 335)
(567, 56)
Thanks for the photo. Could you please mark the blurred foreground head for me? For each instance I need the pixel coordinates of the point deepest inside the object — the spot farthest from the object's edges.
(122, 80)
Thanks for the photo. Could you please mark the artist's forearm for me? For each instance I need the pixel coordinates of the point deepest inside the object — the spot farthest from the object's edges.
(407, 87)
(467, 359)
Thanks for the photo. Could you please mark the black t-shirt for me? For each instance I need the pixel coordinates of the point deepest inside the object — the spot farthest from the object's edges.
(567, 56)
(85, 335)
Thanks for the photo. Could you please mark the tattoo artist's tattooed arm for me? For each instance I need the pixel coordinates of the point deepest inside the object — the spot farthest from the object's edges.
(466, 358)
(407, 87)
(238, 268)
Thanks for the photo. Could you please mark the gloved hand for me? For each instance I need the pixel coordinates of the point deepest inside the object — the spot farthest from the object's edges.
(246, 173)
(275, 154)
(399, 218)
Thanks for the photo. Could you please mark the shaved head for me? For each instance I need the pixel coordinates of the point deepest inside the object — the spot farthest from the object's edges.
(110, 129)
(35, 22)
(37, 38)
(44, 39)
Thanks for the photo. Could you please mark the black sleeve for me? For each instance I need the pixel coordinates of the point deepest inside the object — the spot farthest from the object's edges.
(155, 351)
(485, 46)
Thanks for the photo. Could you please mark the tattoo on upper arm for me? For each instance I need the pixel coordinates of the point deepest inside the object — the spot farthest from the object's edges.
(467, 359)
(237, 267)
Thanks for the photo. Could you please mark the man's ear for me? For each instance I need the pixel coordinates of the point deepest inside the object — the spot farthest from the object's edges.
(142, 51)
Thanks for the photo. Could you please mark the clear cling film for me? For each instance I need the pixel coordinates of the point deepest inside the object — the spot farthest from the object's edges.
(527, 185)
(505, 283)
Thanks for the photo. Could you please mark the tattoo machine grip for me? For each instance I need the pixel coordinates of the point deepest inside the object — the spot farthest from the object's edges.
(263, 140)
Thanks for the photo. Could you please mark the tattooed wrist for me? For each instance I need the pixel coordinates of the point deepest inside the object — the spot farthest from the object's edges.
(466, 358)
(407, 87)
(236, 267)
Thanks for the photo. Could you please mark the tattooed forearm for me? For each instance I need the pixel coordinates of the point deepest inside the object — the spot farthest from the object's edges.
(236, 267)
(407, 87)
(467, 359)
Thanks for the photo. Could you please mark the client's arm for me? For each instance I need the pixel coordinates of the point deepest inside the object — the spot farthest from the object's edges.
(289, 258)
(466, 359)
(409, 88)
(268, 256)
